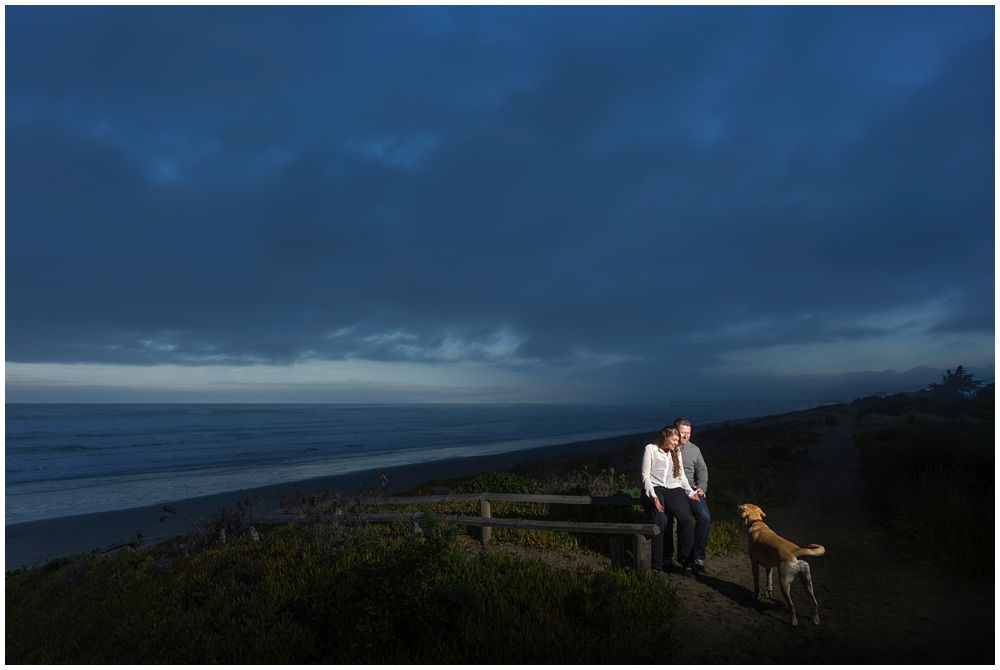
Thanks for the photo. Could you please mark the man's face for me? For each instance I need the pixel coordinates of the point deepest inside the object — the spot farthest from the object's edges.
(685, 432)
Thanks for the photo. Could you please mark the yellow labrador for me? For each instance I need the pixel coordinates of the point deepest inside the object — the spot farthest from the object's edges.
(768, 549)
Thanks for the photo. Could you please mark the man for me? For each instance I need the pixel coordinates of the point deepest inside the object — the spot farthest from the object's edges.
(697, 475)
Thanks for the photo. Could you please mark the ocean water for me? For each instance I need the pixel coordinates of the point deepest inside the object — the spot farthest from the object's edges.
(68, 459)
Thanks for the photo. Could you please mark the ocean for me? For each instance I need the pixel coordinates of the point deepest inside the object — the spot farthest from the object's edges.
(69, 459)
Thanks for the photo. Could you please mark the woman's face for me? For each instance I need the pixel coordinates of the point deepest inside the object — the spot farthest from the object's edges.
(672, 442)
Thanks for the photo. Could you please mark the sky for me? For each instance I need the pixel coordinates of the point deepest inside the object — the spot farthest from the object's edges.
(496, 204)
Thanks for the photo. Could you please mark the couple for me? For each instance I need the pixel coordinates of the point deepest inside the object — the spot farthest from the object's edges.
(669, 466)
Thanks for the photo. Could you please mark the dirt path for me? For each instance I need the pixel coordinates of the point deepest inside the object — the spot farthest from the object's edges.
(874, 606)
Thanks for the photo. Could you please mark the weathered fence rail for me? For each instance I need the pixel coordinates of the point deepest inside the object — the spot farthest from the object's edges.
(625, 501)
(640, 532)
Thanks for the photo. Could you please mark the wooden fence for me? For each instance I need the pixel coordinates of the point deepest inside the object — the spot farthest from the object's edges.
(640, 532)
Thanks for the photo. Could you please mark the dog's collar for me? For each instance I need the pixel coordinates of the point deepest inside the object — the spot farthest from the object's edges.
(752, 522)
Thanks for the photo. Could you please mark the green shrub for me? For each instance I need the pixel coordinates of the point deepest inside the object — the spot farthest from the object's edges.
(496, 482)
(632, 491)
(724, 538)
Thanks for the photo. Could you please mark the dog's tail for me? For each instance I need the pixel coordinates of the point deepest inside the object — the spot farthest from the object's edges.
(811, 550)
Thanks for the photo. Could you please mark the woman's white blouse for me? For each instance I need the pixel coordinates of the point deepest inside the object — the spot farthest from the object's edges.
(658, 470)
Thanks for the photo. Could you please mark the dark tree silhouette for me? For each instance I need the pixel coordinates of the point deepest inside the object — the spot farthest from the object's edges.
(956, 384)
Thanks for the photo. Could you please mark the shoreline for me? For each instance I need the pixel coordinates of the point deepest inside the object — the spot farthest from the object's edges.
(32, 543)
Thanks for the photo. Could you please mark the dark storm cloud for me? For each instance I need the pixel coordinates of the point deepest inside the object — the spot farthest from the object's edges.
(635, 190)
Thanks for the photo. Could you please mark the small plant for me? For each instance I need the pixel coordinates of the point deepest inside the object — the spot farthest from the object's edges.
(226, 524)
(724, 538)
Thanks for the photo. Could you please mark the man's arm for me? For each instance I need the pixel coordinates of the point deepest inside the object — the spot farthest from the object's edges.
(701, 472)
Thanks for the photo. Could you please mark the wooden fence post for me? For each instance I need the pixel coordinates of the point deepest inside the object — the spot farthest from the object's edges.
(484, 511)
(642, 553)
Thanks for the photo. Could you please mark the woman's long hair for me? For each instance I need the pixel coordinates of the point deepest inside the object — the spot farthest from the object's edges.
(661, 440)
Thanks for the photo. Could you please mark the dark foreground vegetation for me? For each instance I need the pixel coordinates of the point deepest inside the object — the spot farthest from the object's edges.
(929, 461)
(316, 593)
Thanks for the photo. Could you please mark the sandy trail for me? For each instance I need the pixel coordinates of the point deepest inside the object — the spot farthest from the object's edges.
(875, 606)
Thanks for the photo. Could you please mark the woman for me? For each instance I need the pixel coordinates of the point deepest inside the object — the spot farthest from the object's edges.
(666, 490)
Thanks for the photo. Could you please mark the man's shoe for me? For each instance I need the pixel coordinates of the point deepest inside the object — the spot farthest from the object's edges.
(686, 570)
(699, 566)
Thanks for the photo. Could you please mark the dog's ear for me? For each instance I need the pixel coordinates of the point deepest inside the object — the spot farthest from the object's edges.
(762, 515)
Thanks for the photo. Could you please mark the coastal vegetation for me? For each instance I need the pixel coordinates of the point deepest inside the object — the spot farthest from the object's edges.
(319, 593)
(930, 461)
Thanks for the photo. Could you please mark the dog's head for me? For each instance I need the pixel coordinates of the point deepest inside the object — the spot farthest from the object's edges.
(750, 512)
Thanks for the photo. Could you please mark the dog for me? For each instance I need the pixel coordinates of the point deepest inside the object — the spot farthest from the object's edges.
(770, 550)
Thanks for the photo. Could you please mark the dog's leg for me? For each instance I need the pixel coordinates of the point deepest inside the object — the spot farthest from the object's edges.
(755, 566)
(786, 573)
(770, 572)
(806, 576)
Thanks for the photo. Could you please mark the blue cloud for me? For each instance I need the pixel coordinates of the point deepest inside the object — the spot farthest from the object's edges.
(595, 195)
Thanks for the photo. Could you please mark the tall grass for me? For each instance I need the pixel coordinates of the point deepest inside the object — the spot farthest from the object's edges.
(931, 468)
(936, 518)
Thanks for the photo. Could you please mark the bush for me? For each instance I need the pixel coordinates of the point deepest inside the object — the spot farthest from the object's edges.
(723, 539)
(496, 482)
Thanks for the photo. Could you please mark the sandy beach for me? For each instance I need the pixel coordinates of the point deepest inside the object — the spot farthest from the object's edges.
(35, 542)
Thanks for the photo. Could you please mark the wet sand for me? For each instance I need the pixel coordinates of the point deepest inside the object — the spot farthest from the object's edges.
(36, 542)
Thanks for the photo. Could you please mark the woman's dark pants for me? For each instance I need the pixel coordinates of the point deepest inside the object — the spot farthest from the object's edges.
(675, 504)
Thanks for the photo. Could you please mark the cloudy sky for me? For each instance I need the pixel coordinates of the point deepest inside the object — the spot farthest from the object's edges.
(496, 204)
